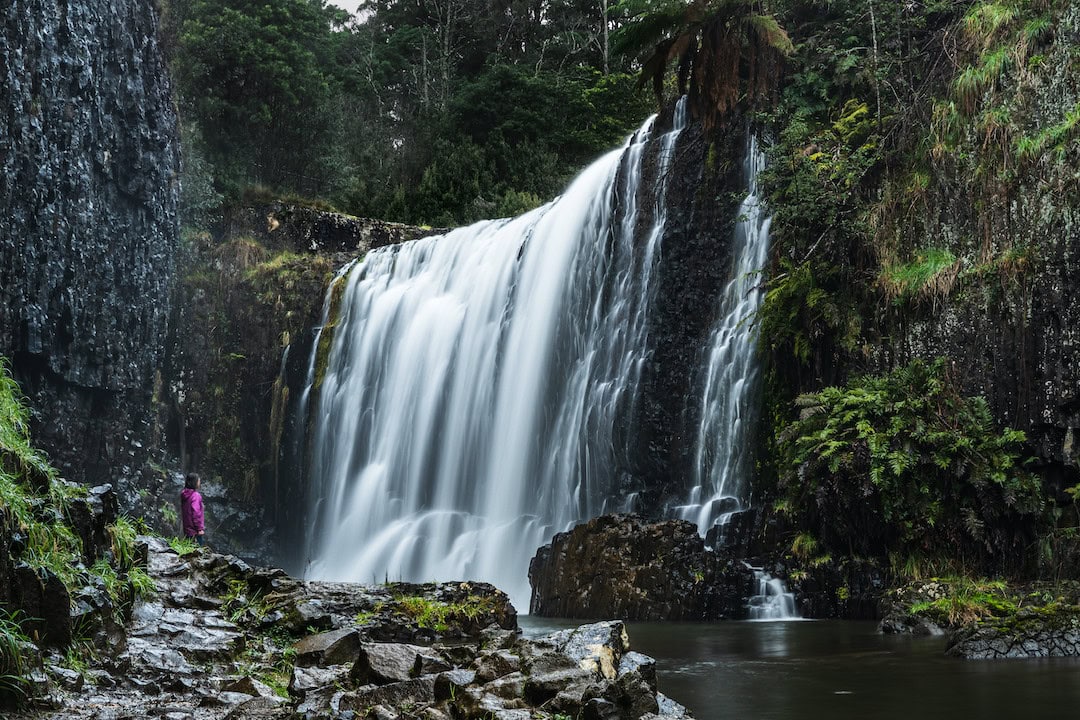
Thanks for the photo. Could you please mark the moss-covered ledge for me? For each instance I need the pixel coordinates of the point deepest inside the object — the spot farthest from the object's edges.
(1051, 630)
(989, 619)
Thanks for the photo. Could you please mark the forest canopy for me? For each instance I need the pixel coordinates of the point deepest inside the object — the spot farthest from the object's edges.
(424, 111)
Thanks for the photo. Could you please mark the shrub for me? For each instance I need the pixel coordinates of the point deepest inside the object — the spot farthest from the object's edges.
(902, 462)
(13, 684)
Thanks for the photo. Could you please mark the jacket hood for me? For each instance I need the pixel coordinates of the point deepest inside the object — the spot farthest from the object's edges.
(188, 492)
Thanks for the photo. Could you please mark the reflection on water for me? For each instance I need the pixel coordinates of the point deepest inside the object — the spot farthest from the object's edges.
(831, 670)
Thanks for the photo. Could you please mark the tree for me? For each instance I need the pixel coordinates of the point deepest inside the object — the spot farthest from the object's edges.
(726, 50)
(252, 74)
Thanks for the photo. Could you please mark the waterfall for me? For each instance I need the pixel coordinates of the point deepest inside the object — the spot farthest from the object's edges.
(468, 408)
(722, 456)
(772, 601)
(729, 401)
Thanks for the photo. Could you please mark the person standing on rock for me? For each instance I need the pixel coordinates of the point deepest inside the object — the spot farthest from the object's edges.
(191, 509)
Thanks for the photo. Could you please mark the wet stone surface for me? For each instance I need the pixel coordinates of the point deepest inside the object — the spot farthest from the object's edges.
(222, 640)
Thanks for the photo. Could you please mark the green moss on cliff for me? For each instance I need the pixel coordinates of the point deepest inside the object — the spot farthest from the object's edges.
(246, 304)
(37, 507)
(329, 328)
(953, 602)
(931, 274)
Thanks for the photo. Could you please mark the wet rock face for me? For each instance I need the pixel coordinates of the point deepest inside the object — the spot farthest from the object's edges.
(88, 226)
(705, 186)
(622, 566)
(846, 588)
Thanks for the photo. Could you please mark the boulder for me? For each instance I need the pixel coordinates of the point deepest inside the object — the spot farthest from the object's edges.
(624, 566)
(597, 647)
(382, 663)
(328, 648)
(669, 710)
(641, 665)
(547, 683)
(507, 687)
(450, 683)
(249, 686)
(497, 638)
(492, 665)
(306, 679)
(260, 708)
(413, 692)
(45, 602)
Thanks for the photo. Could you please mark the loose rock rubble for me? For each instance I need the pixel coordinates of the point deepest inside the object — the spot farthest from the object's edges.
(221, 640)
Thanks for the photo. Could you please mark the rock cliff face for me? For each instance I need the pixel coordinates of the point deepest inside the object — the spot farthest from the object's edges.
(1010, 321)
(247, 296)
(706, 184)
(88, 228)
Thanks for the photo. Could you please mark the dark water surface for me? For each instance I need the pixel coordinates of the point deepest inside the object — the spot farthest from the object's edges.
(832, 670)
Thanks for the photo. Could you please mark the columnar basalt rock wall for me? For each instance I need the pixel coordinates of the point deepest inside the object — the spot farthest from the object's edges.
(705, 186)
(88, 224)
(1011, 323)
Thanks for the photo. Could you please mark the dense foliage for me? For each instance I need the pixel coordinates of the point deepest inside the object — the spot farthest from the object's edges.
(729, 53)
(884, 106)
(35, 511)
(424, 111)
(902, 464)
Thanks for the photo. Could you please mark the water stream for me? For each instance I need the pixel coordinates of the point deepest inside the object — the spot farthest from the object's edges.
(722, 462)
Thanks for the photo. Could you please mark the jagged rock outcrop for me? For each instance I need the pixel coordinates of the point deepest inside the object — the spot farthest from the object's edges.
(221, 639)
(1030, 634)
(88, 223)
(625, 567)
(282, 225)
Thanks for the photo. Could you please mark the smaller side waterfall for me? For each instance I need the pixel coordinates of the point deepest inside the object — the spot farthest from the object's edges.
(722, 459)
(772, 601)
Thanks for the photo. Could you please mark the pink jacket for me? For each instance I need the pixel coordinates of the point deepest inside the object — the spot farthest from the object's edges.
(191, 511)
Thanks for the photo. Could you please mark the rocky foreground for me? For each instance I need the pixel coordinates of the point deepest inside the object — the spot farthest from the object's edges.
(220, 639)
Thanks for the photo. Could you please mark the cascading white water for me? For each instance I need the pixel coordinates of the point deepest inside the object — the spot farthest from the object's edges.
(728, 406)
(469, 405)
(729, 402)
(772, 601)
